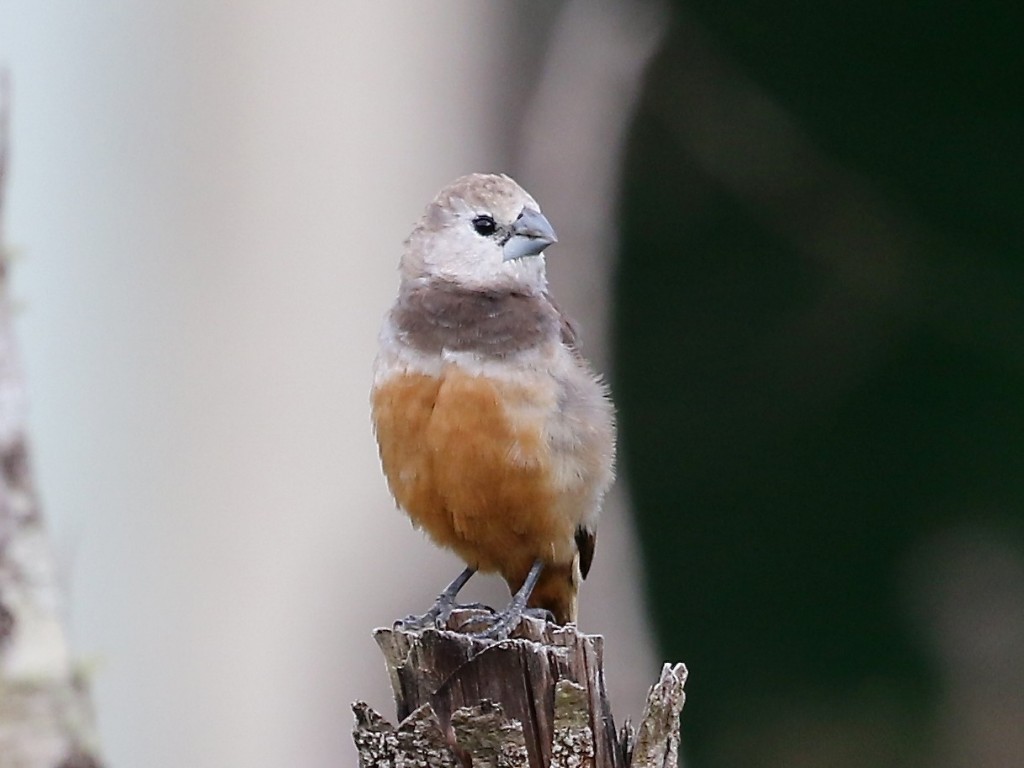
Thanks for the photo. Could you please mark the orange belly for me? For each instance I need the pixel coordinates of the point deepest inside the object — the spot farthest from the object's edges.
(472, 476)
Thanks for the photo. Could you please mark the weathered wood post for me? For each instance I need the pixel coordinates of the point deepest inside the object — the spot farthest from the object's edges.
(537, 699)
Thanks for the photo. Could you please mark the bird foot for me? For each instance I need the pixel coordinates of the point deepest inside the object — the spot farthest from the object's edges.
(543, 614)
(510, 618)
(496, 626)
(438, 615)
(501, 627)
(503, 624)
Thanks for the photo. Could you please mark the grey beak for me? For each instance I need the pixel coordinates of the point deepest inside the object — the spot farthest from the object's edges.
(531, 234)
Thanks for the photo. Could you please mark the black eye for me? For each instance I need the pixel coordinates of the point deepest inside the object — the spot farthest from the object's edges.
(484, 225)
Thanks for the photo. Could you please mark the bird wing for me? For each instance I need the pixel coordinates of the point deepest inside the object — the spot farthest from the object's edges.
(570, 332)
(586, 540)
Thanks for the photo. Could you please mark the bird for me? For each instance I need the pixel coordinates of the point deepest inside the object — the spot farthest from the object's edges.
(495, 434)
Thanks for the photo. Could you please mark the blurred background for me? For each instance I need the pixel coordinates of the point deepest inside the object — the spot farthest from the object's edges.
(791, 234)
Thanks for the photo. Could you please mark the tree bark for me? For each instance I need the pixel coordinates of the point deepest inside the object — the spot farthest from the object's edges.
(537, 699)
(45, 715)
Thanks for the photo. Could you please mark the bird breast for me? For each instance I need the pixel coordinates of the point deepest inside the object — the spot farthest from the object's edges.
(493, 455)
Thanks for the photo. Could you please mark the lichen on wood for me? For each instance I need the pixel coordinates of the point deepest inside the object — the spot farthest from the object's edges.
(537, 700)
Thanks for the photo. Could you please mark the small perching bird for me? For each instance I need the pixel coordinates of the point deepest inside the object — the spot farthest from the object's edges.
(495, 435)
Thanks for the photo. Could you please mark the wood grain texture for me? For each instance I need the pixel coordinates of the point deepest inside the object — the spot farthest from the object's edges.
(537, 700)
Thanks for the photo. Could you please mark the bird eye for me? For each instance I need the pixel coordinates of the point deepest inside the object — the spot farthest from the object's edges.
(484, 225)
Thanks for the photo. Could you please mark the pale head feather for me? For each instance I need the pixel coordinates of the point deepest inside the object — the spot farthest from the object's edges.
(445, 246)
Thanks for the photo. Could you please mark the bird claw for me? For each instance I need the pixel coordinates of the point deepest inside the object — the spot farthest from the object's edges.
(501, 628)
(412, 622)
(435, 618)
(511, 617)
(438, 616)
(543, 614)
(504, 624)
(501, 624)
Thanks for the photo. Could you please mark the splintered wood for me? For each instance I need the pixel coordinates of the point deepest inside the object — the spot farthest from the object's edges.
(536, 700)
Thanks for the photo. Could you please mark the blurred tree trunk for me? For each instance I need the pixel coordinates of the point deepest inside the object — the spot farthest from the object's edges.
(45, 713)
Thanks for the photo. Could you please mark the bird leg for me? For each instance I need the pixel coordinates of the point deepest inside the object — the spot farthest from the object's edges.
(509, 619)
(437, 615)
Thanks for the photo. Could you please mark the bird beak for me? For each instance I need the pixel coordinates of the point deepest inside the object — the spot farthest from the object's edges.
(531, 234)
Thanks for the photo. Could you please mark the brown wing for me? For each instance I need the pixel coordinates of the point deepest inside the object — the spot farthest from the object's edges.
(586, 540)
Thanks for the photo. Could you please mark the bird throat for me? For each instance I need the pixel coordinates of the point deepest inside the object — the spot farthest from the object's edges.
(439, 315)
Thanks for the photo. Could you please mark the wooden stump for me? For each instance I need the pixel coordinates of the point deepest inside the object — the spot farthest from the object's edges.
(537, 699)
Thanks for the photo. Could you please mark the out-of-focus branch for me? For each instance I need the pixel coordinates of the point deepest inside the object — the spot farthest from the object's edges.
(45, 714)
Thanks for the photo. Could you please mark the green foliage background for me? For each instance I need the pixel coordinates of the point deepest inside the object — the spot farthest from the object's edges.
(813, 383)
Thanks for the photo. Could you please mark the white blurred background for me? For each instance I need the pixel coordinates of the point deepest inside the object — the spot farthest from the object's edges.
(207, 202)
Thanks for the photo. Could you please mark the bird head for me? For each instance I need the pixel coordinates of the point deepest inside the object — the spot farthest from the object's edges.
(482, 232)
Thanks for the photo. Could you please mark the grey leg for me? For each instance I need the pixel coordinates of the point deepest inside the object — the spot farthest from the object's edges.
(509, 619)
(439, 612)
